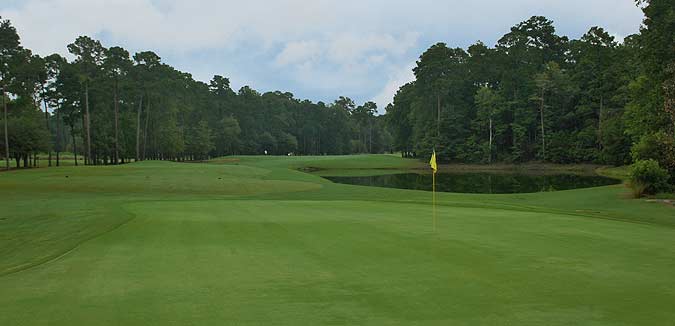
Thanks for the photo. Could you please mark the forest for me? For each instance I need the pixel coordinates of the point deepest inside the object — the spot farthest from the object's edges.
(533, 96)
(110, 107)
(539, 96)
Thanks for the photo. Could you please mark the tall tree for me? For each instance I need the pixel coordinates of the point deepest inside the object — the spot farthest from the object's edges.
(9, 47)
(89, 57)
(147, 64)
(200, 142)
(544, 82)
(364, 116)
(487, 104)
(432, 72)
(54, 95)
(398, 119)
(116, 65)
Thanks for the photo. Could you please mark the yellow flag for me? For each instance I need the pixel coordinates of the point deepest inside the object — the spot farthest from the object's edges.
(433, 164)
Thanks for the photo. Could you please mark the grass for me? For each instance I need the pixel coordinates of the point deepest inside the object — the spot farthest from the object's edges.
(254, 241)
(621, 172)
(665, 196)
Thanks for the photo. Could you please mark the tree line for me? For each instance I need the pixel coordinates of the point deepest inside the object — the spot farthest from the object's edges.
(533, 96)
(539, 96)
(110, 107)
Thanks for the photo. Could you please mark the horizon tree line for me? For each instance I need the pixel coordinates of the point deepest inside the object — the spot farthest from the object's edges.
(540, 96)
(110, 107)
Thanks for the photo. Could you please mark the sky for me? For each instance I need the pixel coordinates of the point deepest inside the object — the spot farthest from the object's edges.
(315, 49)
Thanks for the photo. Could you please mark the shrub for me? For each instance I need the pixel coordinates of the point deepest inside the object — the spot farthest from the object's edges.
(658, 146)
(648, 177)
(648, 147)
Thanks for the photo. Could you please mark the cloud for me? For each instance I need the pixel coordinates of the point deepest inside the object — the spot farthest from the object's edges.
(313, 48)
(302, 52)
(346, 49)
(344, 63)
(395, 80)
(617, 37)
(349, 48)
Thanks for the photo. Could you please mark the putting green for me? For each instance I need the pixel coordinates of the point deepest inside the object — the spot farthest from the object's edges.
(251, 242)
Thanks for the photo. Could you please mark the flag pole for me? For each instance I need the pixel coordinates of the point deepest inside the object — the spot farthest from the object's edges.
(434, 168)
(434, 198)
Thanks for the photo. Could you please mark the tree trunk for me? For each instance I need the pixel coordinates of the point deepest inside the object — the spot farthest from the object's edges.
(138, 128)
(602, 104)
(44, 101)
(87, 122)
(490, 143)
(116, 124)
(370, 135)
(4, 105)
(543, 134)
(438, 116)
(145, 132)
(72, 134)
(57, 145)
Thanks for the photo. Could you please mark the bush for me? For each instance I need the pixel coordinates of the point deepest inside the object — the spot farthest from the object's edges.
(648, 147)
(660, 147)
(648, 177)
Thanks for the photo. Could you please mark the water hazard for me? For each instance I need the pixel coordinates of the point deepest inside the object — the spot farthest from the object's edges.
(479, 183)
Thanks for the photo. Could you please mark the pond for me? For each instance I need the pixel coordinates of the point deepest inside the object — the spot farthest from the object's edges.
(479, 183)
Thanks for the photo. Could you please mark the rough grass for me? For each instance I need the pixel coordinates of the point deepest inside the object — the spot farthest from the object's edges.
(253, 241)
(621, 172)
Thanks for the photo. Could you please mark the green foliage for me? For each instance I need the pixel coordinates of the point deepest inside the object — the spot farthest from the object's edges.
(648, 177)
(145, 109)
(200, 140)
(227, 135)
(286, 143)
(659, 147)
(535, 96)
(172, 142)
(644, 113)
(26, 134)
(399, 122)
(89, 57)
(540, 96)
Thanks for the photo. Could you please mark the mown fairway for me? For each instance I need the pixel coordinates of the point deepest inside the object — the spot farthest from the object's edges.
(254, 242)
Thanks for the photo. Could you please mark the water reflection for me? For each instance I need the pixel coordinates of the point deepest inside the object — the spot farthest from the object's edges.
(483, 183)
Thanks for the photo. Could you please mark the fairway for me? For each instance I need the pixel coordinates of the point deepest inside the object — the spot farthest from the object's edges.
(254, 241)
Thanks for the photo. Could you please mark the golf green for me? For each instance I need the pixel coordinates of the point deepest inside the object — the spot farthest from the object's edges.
(253, 241)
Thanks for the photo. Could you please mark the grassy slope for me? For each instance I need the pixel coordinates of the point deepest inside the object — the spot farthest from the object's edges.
(252, 241)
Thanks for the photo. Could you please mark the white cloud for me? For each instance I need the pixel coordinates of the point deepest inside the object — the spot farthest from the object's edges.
(395, 80)
(346, 63)
(617, 37)
(345, 47)
(302, 52)
(180, 25)
(350, 48)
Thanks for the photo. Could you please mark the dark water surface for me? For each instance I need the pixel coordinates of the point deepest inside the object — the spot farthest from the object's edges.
(479, 183)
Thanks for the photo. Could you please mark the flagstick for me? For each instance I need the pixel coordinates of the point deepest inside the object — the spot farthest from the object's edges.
(434, 198)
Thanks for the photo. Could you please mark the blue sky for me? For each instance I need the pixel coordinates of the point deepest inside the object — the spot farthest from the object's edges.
(317, 50)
